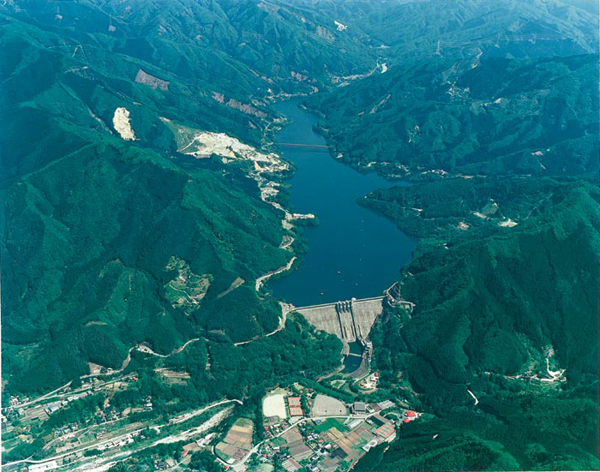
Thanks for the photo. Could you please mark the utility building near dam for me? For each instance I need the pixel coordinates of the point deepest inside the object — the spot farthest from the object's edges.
(349, 320)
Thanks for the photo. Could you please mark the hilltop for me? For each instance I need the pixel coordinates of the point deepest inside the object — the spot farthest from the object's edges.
(114, 236)
(145, 204)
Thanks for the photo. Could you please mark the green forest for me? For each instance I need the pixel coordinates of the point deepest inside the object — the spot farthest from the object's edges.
(506, 269)
(90, 222)
(489, 116)
(487, 110)
(500, 140)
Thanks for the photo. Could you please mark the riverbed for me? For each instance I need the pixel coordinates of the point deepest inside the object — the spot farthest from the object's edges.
(353, 252)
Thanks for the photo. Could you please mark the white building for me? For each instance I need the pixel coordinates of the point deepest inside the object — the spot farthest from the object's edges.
(42, 467)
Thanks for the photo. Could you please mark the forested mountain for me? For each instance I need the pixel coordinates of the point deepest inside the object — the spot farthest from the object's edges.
(505, 282)
(485, 88)
(102, 219)
(478, 296)
(467, 28)
(478, 116)
(238, 47)
(93, 222)
(115, 235)
(492, 111)
(495, 315)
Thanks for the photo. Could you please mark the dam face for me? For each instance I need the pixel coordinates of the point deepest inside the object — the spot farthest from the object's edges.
(349, 320)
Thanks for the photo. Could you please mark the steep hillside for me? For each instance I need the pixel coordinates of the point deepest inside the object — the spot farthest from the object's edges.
(52, 81)
(401, 29)
(238, 47)
(110, 237)
(114, 216)
(509, 314)
(478, 116)
(141, 198)
(537, 279)
(457, 209)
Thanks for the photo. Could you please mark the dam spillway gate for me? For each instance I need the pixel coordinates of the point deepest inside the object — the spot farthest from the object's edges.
(349, 320)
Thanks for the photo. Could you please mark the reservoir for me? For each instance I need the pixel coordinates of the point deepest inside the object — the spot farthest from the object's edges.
(353, 252)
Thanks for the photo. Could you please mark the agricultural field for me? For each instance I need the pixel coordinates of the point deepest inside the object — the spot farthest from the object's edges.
(237, 443)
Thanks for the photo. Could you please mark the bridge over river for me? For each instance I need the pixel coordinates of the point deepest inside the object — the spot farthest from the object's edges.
(306, 145)
(316, 147)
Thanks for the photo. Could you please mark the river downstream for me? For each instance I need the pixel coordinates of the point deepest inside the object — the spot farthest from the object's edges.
(353, 252)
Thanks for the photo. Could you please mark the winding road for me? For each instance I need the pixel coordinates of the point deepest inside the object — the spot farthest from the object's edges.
(263, 278)
(285, 309)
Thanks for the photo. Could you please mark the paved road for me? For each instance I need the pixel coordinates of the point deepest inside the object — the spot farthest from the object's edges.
(285, 309)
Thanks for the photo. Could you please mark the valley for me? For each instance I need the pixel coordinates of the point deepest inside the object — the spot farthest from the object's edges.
(269, 236)
(352, 252)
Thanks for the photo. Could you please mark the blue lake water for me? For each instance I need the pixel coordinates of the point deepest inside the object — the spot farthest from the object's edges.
(353, 252)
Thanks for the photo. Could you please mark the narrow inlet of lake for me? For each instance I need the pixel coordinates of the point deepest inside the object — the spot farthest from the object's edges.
(353, 252)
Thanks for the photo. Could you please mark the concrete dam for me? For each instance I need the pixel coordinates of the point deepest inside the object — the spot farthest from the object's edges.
(349, 320)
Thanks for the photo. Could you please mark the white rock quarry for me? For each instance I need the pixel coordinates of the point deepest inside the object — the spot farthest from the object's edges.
(208, 143)
(122, 124)
(202, 144)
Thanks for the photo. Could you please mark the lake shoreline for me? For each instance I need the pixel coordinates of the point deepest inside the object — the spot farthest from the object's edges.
(354, 251)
